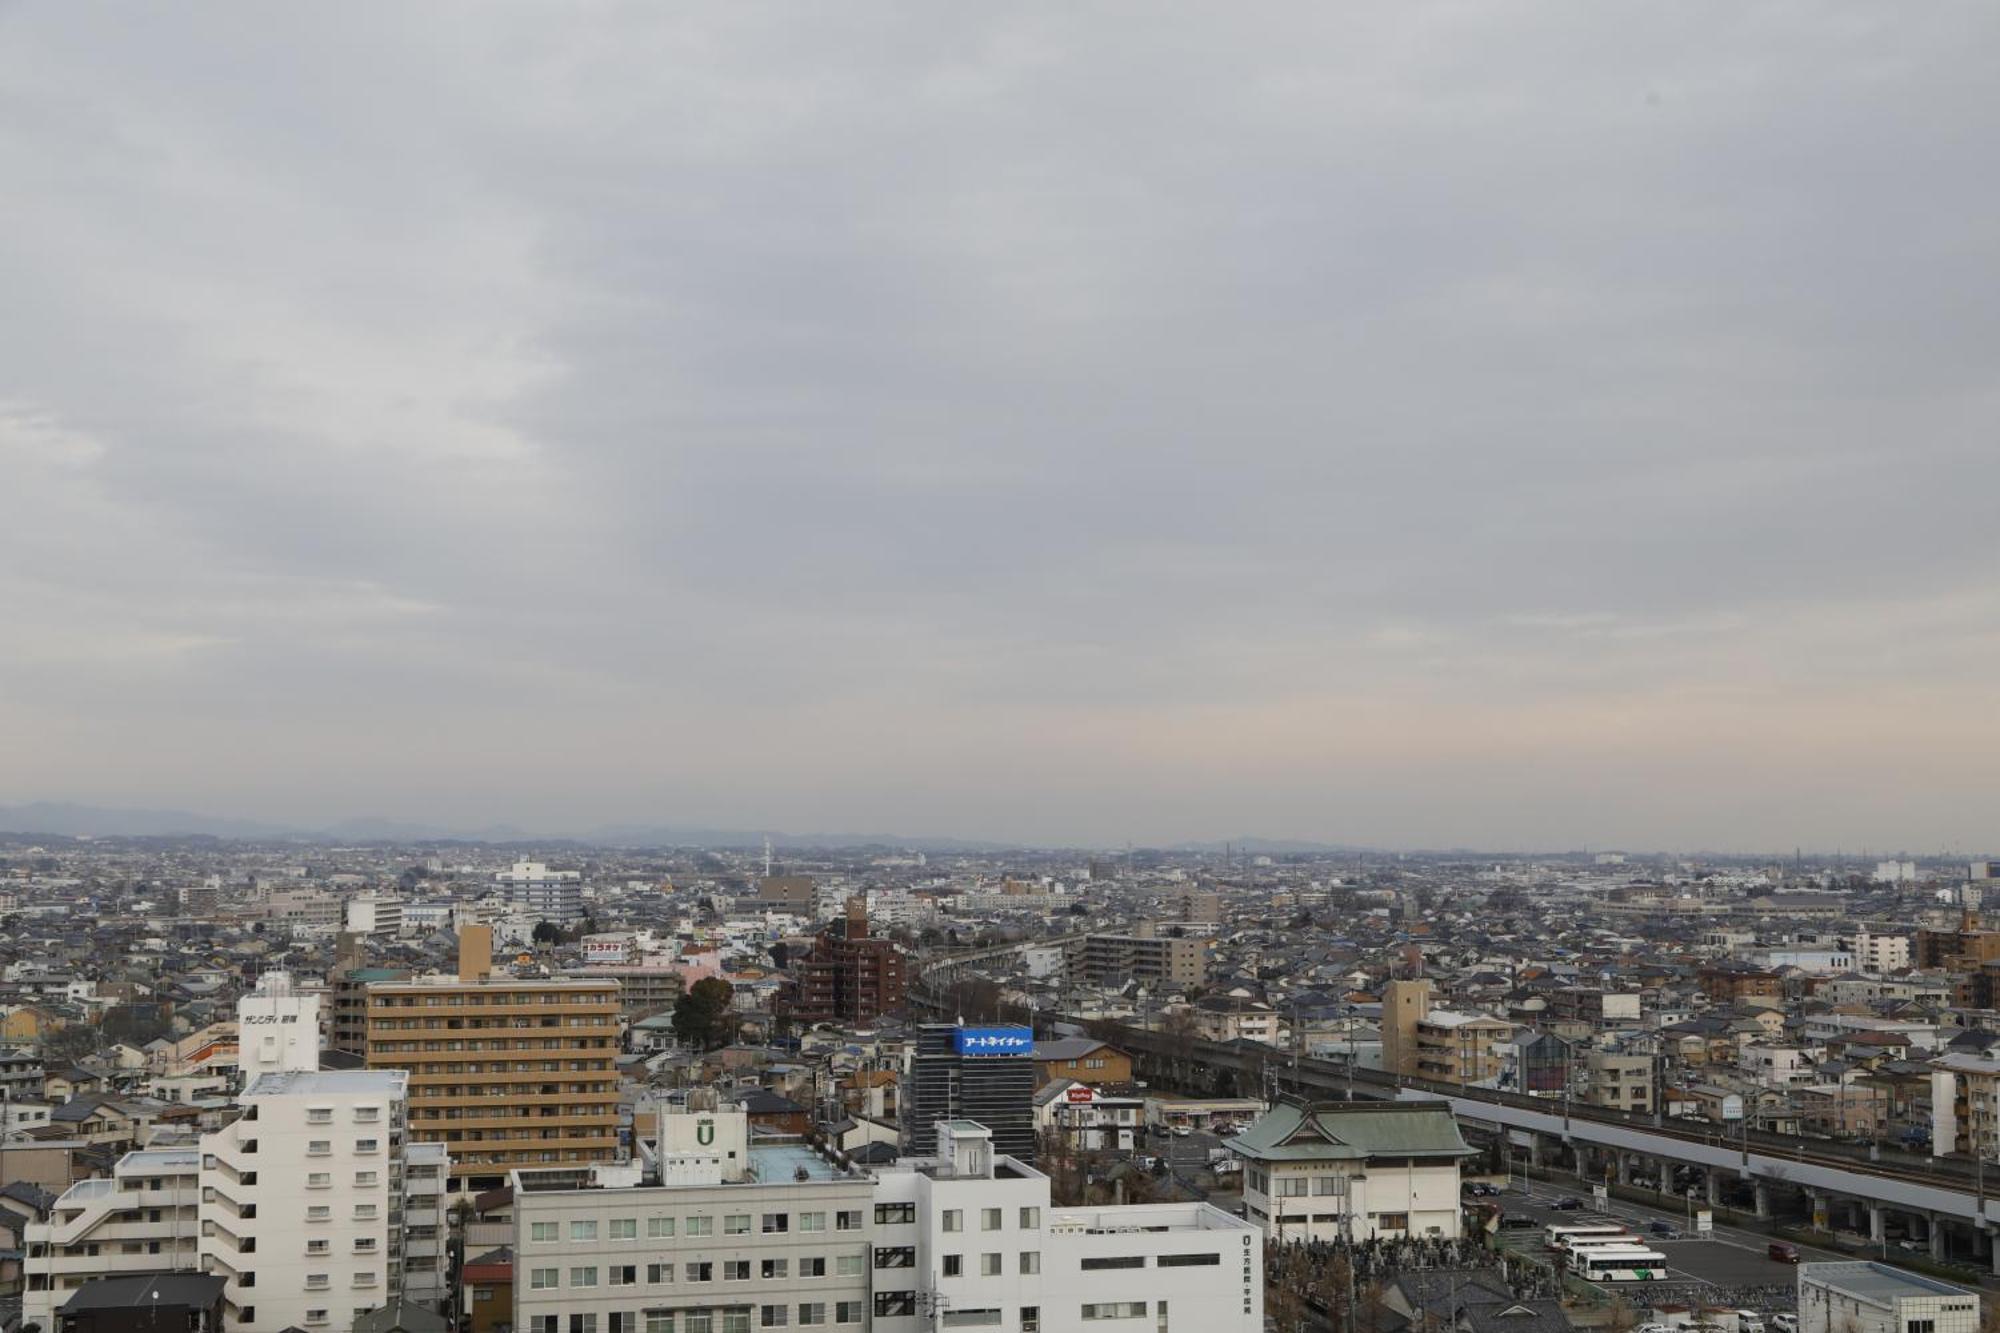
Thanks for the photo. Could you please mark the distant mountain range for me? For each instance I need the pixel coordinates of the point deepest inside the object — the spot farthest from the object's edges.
(63, 819)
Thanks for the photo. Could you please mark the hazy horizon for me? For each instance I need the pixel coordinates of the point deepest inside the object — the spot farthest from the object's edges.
(1509, 428)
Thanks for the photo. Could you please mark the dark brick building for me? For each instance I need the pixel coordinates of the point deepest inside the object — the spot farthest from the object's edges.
(850, 976)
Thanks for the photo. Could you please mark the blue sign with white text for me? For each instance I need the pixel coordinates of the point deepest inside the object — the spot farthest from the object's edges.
(995, 1041)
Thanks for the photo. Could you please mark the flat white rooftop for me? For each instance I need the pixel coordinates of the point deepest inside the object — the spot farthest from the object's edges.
(329, 1083)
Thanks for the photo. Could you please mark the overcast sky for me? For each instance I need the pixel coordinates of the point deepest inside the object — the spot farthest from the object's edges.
(1512, 425)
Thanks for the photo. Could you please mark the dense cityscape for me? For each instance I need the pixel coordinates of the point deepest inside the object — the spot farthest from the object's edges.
(1055, 667)
(424, 1086)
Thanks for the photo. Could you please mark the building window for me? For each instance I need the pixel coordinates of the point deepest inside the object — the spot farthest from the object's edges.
(1114, 1261)
(659, 1321)
(736, 1224)
(1188, 1260)
(544, 1323)
(701, 1226)
(775, 1269)
(1031, 1262)
(659, 1274)
(847, 1312)
(367, 1145)
(319, 1115)
(623, 1228)
(893, 1214)
(953, 1265)
(1031, 1218)
(772, 1316)
(1392, 1221)
(989, 1219)
(544, 1232)
(316, 1316)
(989, 1265)
(1031, 1319)
(319, 1147)
(583, 1323)
(583, 1230)
(365, 1179)
(544, 1279)
(659, 1228)
(583, 1277)
(702, 1271)
(987, 1318)
(895, 1304)
(847, 1220)
(777, 1223)
(954, 1219)
(812, 1221)
(812, 1266)
(1115, 1310)
(847, 1265)
(812, 1312)
(319, 1212)
(318, 1246)
(622, 1275)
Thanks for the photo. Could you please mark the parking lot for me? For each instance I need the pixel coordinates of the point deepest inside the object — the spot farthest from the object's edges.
(1728, 1261)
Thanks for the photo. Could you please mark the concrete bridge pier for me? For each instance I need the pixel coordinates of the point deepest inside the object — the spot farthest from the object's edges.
(1762, 1190)
(1878, 1224)
(1535, 1151)
(1711, 1187)
(1939, 1246)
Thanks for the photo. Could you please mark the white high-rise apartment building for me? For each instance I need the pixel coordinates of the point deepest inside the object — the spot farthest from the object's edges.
(144, 1219)
(277, 1028)
(989, 1251)
(375, 915)
(542, 893)
(709, 1234)
(1880, 953)
(307, 1197)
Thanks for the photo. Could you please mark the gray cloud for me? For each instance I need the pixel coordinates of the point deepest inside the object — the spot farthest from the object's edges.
(1523, 426)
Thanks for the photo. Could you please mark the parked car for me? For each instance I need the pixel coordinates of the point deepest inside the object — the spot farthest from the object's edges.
(1518, 1222)
(1782, 1252)
(1784, 1323)
(1749, 1321)
(1479, 1189)
(1567, 1205)
(1664, 1230)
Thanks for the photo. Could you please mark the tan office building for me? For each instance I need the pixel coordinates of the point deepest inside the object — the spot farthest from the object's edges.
(505, 1073)
(1461, 1048)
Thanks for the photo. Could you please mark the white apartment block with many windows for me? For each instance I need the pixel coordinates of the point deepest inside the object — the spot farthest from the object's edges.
(704, 1234)
(306, 1199)
(987, 1250)
(144, 1219)
(710, 1235)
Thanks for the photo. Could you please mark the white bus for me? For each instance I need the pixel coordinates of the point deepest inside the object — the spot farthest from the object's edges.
(1557, 1235)
(1632, 1263)
(1624, 1240)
